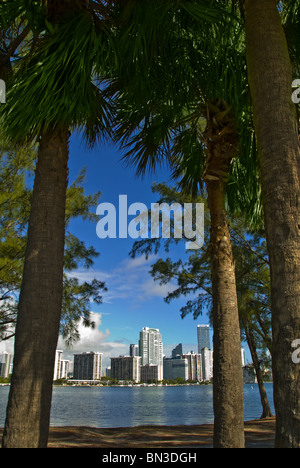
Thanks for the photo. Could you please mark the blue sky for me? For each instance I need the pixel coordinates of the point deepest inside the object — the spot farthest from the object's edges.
(133, 300)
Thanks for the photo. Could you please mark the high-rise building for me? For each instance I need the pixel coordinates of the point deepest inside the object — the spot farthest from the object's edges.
(57, 365)
(194, 366)
(207, 363)
(133, 350)
(126, 368)
(177, 351)
(151, 349)
(151, 372)
(5, 365)
(176, 367)
(203, 337)
(87, 366)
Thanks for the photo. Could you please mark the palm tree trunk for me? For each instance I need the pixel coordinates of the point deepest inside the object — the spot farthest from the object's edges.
(221, 141)
(228, 376)
(266, 413)
(270, 78)
(37, 329)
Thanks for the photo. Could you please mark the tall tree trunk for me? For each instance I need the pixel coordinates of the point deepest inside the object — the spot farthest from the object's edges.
(38, 320)
(266, 413)
(228, 391)
(270, 78)
(228, 376)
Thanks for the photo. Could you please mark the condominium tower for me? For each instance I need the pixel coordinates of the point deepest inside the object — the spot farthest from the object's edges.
(151, 349)
(87, 366)
(5, 364)
(203, 337)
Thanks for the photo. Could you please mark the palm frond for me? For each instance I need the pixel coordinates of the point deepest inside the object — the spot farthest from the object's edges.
(56, 85)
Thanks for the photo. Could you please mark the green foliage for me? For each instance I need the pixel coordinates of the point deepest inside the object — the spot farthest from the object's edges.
(184, 64)
(192, 275)
(17, 165)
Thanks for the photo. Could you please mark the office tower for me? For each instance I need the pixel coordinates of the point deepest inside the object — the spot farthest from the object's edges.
(133, 350)
(126, 368)
(87, 366)
(57, 365)
(177, 350)
(176, 367)
(151, 372)
(194, 366)
(5, 364)
(203, 337)
(207, 364)
(151, 349)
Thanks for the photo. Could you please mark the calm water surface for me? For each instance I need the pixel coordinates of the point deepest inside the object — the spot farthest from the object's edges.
(135, 406)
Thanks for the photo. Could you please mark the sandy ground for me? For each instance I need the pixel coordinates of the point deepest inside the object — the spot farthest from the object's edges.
(258, 434)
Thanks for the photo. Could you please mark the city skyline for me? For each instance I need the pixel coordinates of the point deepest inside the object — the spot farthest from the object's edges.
(132, 298)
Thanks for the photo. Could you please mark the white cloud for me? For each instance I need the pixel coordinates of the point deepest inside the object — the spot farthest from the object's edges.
(94, 340)
(130, 280)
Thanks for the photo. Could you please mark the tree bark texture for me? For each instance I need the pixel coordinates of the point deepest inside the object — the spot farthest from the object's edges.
(270, 78)
(228, 396)
(228, 392)
(38, 321)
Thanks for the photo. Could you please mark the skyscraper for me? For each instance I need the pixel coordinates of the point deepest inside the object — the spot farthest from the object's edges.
(207, 363)
(133, 350)
(203, 337)
(151, 348)
(126, 368)
(177, 350)
(5, 364)
(87, 366)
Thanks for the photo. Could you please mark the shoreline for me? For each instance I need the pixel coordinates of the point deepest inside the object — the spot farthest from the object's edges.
(259, 433)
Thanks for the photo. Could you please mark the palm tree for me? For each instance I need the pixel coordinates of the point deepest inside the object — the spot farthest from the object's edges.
(52, 91)
(193, 278)
(276, 125)
(198, 135)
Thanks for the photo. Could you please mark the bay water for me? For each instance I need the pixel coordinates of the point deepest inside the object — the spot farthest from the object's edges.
(137, 406)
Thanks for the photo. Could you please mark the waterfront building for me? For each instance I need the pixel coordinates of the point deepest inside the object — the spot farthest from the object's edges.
(133, 350)
(151, 348)
(176, 367)
(126, 368)
(194, 366)
(177, 351)
(5, 365)
(61, 366)
(203, 337)
(87, 366)
(57, 364)
(151, 372)
(207, 363)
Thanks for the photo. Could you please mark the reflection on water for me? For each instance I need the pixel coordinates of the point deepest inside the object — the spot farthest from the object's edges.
(135, 406)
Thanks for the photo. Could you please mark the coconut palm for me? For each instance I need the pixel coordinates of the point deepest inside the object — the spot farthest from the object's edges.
(168, 111)
(270, 76)
(51, 92)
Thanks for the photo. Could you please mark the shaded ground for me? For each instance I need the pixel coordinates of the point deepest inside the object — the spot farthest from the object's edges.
(258, 433)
